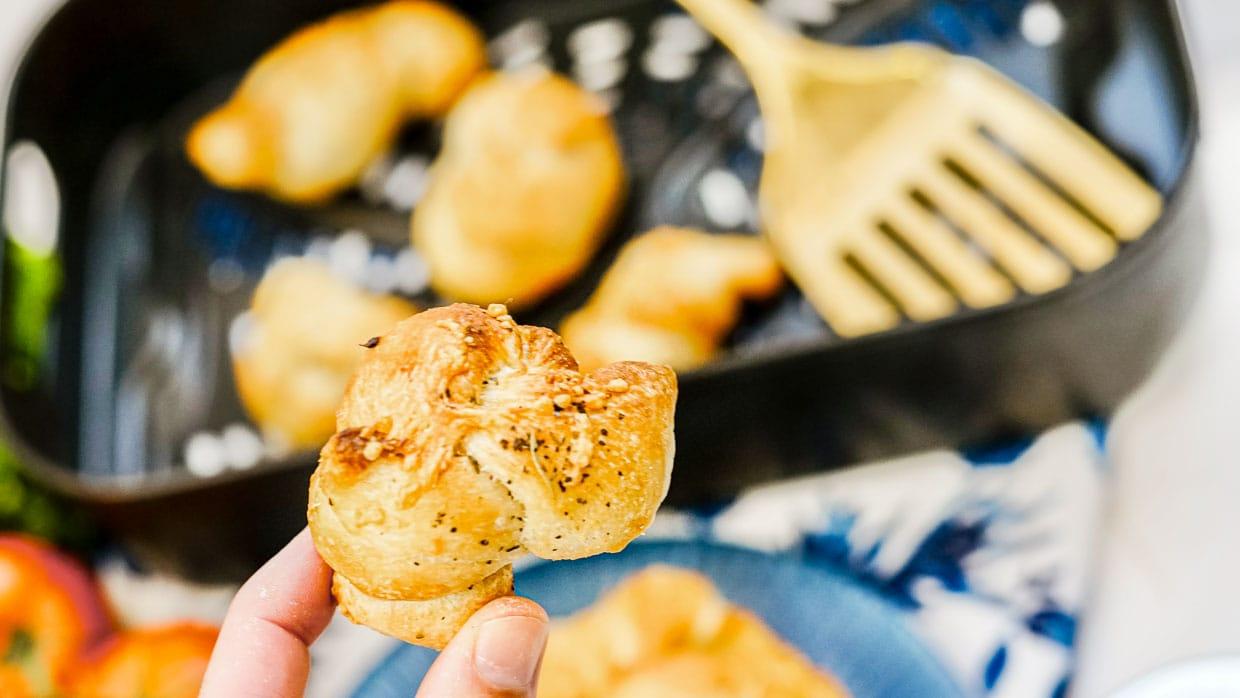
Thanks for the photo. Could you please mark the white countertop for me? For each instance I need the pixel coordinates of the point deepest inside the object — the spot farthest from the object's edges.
(1168, 574)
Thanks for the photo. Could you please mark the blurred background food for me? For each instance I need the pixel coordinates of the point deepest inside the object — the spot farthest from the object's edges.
(124, 298)
(522, 192)
(521, 195)
(50, 612)
(57, 635)
(290, 357)
(667, 632)
(316, 109)
(671, 297)
(168, 661)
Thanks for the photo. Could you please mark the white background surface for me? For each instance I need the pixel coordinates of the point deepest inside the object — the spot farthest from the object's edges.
(1168, 579)
(1168, 586)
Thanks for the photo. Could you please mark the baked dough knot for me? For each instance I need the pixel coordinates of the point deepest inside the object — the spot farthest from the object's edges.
(465, 441)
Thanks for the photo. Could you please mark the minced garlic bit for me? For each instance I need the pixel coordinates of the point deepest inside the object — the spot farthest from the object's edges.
(617, 385)
(562, 400)
(372, 450)
(497, 309)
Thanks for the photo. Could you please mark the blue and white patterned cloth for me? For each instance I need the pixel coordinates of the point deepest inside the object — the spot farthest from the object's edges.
(988, 551)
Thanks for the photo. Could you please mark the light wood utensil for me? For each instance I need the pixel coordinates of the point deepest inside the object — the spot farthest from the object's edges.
(906, 181)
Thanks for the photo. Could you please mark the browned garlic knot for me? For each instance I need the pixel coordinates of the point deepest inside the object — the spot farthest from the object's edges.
(466, 440)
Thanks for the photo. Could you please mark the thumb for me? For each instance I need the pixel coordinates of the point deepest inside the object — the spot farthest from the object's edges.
(497, 653)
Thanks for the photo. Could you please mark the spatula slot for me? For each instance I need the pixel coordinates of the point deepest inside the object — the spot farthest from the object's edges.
(1027, 200)
(1034, 266)
(1045, 179)
(914, 289)
(966, 175)
(889, 231)
(930, 207)
(864, 273)
(976, 281)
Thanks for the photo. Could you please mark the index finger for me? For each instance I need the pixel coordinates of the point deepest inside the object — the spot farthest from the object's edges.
(264, 645)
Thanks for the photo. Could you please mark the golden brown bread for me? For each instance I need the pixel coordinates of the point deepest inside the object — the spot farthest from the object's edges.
(745, 660)
(667, 632)
(642, 619)
(523, 191)
(319, 106)
(465, 441)
(671, 297)
(290, 373)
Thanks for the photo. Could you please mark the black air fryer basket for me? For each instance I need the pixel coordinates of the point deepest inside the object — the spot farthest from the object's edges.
(114, 347)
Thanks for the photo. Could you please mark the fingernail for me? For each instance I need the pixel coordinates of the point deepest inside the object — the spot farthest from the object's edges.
(507, 651)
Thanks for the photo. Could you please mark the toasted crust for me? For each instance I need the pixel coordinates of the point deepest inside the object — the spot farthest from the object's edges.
(671, 297)
(318, 107)
(464, 441)
(668, 632)
(527, 182)
(430, 622)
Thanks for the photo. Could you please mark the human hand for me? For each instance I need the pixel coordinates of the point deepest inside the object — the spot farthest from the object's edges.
(264, 646)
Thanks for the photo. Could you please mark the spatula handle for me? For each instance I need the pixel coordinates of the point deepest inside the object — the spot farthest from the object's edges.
(741, 26)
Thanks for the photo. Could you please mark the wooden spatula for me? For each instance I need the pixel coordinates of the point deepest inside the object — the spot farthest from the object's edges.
(906, 181)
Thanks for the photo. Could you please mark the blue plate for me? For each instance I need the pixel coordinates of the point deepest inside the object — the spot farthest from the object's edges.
(835, 621)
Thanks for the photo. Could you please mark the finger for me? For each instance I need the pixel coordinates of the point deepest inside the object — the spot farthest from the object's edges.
(264, 645)
(497, 653)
